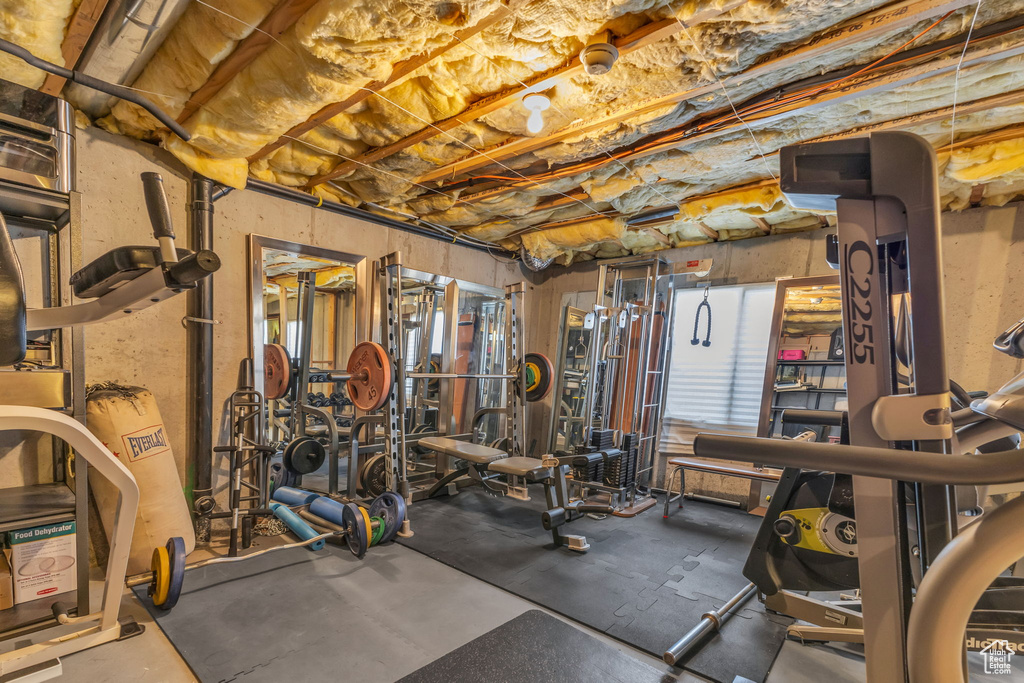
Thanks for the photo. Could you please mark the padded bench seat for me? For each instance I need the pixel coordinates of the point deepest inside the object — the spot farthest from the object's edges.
(724, 469)
(463, 450)
(729, 470)
(531, 468)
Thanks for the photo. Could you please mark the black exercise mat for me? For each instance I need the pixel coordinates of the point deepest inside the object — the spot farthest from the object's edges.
(645, 580)
(536, 647)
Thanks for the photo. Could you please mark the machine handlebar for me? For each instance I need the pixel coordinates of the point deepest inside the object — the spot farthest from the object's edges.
(1001, 467)
(156, 203)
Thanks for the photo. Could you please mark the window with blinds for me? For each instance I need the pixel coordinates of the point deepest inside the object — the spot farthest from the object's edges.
(717, 388)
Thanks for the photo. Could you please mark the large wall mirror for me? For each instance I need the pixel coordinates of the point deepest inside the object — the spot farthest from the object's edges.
(311, 301)
(452, 326)
(569, 396)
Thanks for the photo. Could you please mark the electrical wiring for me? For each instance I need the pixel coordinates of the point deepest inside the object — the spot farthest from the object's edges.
(756, 111)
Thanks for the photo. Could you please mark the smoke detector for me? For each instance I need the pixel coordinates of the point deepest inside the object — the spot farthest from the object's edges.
(599, 55)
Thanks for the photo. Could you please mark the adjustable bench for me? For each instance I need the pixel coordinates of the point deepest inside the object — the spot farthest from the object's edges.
(477, 457)
(724, 469)
(486, 465)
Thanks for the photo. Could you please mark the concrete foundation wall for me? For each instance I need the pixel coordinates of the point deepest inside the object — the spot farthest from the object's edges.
(982, 252)
(148, 349)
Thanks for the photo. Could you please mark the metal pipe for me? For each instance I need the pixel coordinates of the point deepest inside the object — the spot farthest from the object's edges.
(710, 622)
(199, 346)
(282, 192)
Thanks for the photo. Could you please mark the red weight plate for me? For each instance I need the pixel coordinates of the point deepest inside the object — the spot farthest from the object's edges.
(372, 378)
(545, 378)
(277, 371)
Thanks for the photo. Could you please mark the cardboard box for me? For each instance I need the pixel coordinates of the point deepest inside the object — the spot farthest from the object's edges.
(6, 587)
(42, 561)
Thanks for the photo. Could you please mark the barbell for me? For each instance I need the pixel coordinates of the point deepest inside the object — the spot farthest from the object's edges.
(361, 529)
(369, 376)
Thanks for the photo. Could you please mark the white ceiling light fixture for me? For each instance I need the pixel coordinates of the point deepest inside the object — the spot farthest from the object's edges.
(536, 103)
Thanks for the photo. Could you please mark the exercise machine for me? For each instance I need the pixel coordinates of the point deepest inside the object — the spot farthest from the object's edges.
(120, 282)
(900, 420)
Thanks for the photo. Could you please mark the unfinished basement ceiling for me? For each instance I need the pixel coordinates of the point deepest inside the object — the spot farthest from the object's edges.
(414, 109)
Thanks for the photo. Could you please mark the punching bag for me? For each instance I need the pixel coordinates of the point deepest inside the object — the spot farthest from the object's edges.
(128, 422)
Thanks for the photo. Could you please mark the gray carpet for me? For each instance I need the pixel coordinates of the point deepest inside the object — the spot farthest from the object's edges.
(536, 647)
(645, 581)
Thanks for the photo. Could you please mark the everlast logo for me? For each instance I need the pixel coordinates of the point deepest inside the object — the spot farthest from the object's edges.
(860, 266)
(145, 443)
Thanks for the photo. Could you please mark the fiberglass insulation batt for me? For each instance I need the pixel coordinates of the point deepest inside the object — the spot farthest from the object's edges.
(339, 46)
(38, 26)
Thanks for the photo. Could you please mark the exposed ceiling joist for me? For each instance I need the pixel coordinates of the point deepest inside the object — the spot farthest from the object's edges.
(708, 231)
(861, 87)
(889, 18)
(977, 194)
(642, 37)
(924, 118)
(281, 18)
(399, 71)
(762, 224)
(80, 29)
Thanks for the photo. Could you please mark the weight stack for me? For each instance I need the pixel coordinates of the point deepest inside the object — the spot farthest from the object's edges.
(614, 472)
(588, 467)
(630, 453)
(602, 439)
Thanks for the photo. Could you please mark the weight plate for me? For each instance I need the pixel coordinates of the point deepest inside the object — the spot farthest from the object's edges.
(355, 530)
(434, 385)
(161, 566)
(374, 476)
(372, 379)
(540, 375)
(304, 455)
(421, 429)
(391, 507)
(369, 525)
(378, 524)
(176, 550)
(277, 371)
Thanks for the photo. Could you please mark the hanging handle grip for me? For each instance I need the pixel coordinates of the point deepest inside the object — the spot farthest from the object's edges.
(160, 215)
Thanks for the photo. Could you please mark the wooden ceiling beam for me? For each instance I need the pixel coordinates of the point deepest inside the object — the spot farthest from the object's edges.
(281, 18)
(708, 231)
(80, 29)
(398, 71)
(645, 35)
(854, 89)
(883, 20)
(762, 224)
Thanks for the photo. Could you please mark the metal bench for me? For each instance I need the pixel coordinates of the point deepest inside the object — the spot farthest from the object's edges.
(724, 469)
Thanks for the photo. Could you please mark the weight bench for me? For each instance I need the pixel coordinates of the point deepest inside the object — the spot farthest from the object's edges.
(477, 457)
(724, 469)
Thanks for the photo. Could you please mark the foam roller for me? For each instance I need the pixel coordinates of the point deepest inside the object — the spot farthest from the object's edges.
(297, 525)
(328, 509)
(291, 496)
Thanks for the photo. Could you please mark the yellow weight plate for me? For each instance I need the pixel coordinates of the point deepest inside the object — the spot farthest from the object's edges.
(161, 566)
(369, 525)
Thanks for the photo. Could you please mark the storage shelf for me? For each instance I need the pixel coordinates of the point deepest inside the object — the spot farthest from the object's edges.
(28, 506)
(810, 362)
(810, 390)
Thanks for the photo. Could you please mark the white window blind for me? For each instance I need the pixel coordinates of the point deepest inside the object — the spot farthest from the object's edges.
(717, 388)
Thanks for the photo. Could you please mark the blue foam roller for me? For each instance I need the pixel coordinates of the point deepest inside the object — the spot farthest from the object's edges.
(297, 525)
(292, 496)
(328, 509)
